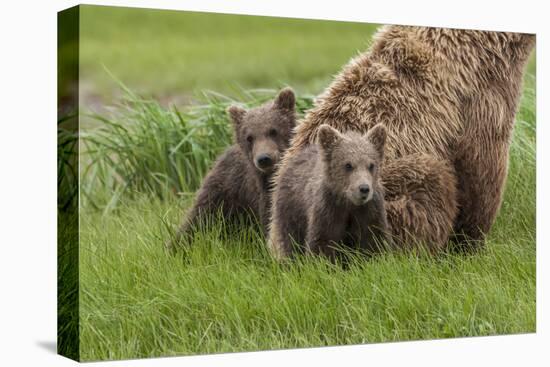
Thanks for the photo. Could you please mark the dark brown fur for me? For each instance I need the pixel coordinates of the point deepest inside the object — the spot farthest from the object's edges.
(239, 183)
(448, 96)
(330, 193)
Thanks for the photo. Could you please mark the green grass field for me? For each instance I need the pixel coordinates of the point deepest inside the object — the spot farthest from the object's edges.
(173, 55)
(227, 294)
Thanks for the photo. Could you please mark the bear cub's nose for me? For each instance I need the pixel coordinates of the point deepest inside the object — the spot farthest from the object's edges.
(264, 161)
(364, 189)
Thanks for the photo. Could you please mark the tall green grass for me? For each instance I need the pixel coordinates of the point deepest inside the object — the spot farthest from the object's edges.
(229, 295)
(146, 148)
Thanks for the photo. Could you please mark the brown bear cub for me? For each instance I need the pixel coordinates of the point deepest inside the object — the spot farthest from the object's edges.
(330, 193)
(238, 186)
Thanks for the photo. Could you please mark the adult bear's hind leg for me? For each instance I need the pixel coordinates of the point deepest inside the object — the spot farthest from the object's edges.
(421, 201)
(482, 171)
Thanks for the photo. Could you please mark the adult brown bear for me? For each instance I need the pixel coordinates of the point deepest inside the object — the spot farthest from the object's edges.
(448, 99)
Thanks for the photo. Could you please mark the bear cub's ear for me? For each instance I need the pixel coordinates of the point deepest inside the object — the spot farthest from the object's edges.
(236, 113)
(377, 137)
(286, 100)
(328, 137)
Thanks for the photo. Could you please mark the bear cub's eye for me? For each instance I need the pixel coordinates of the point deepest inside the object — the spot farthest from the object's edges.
(273, 133)
(249, 138)
(371, 167)
(348, 167)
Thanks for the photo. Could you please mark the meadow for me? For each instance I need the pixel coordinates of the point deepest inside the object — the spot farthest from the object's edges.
(175, 55)
(144, 158)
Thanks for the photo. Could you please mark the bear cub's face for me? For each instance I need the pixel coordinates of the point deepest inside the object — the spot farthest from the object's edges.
(264, 133)
(352, 162)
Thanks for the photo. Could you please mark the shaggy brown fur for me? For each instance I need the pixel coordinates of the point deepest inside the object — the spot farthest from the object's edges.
(420, 191)
(239, 183)
(330, 193)
(448, 95)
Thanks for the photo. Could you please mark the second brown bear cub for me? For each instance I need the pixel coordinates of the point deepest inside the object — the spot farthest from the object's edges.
(330, 193)
(239, 183)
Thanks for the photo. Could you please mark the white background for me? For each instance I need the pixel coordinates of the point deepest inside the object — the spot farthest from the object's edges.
(28, 181)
